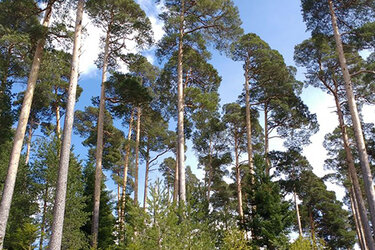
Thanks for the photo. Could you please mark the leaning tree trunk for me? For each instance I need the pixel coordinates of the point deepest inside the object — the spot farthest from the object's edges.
(357, 219)
(180, 107)
(298, 214)
(353, 174)
(138, 133)
(126, 166)
(363, 157)
(59, 207)
(19, 135)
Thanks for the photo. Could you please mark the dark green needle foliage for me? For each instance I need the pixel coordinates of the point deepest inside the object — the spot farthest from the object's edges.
(272, 220)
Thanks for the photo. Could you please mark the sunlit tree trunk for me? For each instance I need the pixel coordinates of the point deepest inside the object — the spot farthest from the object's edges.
(298, 214)
(146, 180)
(176, 180)
(62, 180)
(357, 219)
(138, 133)
(19, 135)
(353, 173)
(126, 166)
(266, 140)
(248, 122)
(57, 114)
(210, 173)
(28, 142)
(365, 166)
(180, 107)
(238, 180)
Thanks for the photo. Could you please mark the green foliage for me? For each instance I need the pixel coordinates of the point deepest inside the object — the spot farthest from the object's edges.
(271, 221)
(46, 167)
(106, 218)
(235, 239)
(166, 230)
(121, 20)
(308, 244)
(320, 207)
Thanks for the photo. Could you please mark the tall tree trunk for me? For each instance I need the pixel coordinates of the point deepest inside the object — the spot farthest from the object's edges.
(176, 180)
(298, 214)
(44, 212)
(126, 166)
(248, 122)
(180, 107)
(210, 173)
(99, 146)
(57, 114)
(146, 180)
(363, 157)
(19, 135)
(59, 207)
(266, 140)
(238, 180)
(312, 228)
(28, 143)
(353, 174)
(138, 134)
(357, 219)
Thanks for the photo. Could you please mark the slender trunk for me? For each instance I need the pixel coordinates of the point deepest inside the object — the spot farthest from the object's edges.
(298, 215)
(42, 226)
(176, 180)
(118, 200)
(28, 143)
(137, 155)
(266, 145)
(353, 175)
(357, 220)
(59, 207)
(57, 113)
(312, 228)
(210, 173)
(146, 181)
(19, 135)
(180, 107)
(363, 157)
(238, 180)
(126, 166)
(248, 123)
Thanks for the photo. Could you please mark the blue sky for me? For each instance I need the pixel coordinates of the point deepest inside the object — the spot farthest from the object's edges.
(278, 22)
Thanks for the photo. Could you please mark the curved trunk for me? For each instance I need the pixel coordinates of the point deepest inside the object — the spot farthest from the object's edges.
(59, 207)
(137, 155)
(180, 107)
(19, 135)
(365, 166)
